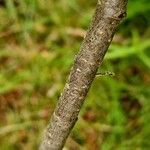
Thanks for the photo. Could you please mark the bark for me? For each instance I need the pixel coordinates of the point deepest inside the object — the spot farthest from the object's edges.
(106, 19)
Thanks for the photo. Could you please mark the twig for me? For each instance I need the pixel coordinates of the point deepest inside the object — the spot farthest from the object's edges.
(108, 16)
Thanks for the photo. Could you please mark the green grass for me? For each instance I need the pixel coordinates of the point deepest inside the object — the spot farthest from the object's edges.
(38, 42)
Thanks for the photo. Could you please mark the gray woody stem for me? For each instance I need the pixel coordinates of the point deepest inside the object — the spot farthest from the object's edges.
(107, 17)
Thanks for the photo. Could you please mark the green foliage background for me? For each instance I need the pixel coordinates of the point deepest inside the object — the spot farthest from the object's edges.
(38, 41)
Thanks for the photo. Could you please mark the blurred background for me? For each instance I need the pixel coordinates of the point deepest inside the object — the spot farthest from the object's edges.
(38, 42)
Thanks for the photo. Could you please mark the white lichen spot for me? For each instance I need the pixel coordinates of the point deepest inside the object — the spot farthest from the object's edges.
(91, 64)
(67, 86)
(84, 87)
(84, 60)
(81, 97)
(109, 40)
(100, 32)
(57, 117)
(112, 23)
(78, 70)
(75, 88)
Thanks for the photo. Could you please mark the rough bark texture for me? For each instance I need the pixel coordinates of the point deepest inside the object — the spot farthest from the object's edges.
(106, 19)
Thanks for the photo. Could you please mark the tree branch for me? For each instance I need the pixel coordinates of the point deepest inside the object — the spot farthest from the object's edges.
(106, 19)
